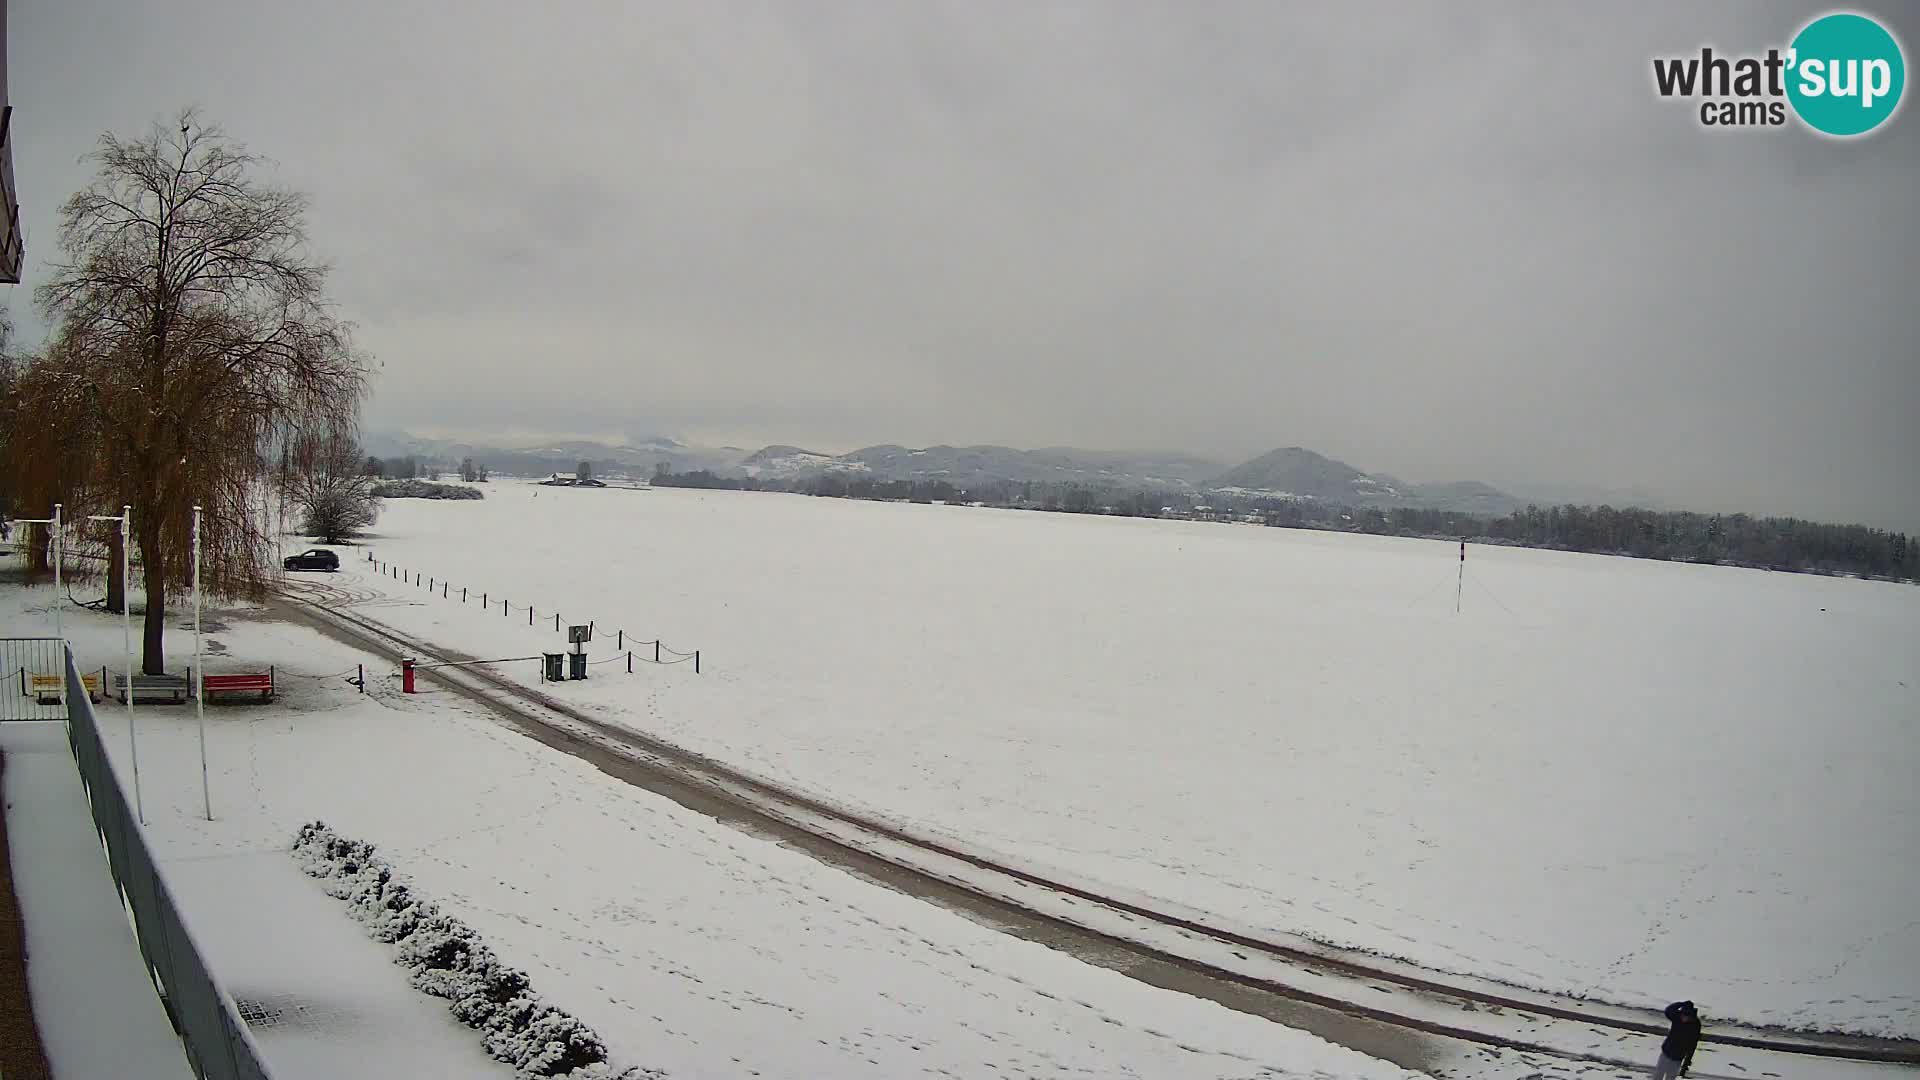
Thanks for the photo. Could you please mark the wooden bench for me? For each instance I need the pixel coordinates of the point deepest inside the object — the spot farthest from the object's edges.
(163, 689)
(247, 683)
(47, 688)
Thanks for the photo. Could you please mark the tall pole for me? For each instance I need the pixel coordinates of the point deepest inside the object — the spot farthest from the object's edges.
(59, 556)
(1461, 579)
(199, 677)
(126, 630)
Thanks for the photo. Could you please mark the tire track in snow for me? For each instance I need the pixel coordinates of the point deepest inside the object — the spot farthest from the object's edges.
(1417, 989)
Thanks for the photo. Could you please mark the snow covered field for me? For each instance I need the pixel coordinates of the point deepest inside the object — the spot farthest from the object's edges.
(1635, 780)
(690, 946)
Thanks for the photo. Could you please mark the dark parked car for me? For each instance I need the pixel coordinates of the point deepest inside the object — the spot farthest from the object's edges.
(316, 559)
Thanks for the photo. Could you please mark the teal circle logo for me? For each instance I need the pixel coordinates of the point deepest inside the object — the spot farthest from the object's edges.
(1845, 74)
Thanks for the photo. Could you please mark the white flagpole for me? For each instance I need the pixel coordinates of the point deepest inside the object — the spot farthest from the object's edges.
(59, 625)
(126, 631)
(126, 611)
(55, 555)
(199, 677)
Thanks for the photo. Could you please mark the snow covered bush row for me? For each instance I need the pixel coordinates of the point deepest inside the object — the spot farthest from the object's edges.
(447, 959)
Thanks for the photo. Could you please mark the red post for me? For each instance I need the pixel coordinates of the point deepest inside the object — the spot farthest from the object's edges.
(406, 676)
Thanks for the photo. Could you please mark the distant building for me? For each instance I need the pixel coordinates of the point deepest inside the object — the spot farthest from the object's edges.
(570, 480)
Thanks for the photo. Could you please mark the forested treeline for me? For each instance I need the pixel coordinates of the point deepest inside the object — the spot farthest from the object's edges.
(1777, 543)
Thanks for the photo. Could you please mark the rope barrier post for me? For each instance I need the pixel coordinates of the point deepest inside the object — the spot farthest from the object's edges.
(629, 661)
(443, 590)
(463, 594)
(619, 639)
(363, 677)
(529, 614)
(656, 650)
(696, 661)
(556, 621)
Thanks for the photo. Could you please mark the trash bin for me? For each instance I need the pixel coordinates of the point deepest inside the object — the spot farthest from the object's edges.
(576, 665)
(552, 670)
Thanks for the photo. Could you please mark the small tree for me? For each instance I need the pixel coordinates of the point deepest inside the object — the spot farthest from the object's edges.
(326, 481)
(481, 473)
(583, 471)
(375, 467)
(467, 471)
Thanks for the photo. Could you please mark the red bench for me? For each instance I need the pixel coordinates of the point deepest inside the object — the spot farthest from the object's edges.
(253, 683)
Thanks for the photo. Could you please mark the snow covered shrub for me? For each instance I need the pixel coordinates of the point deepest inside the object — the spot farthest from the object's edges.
(498, 997)
(445, 957)
(556, 1044)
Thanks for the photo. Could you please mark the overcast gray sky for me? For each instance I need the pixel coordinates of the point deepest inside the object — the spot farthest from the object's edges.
(1439, 241)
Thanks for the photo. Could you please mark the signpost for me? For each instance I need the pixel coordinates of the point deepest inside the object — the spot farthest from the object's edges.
(578, 636)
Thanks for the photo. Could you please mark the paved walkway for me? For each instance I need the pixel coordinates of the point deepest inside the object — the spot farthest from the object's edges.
(94, 1003)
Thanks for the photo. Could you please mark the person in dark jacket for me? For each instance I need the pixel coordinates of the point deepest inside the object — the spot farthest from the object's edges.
(1676, 1054)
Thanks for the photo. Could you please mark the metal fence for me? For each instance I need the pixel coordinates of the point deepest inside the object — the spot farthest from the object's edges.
(32, 678)
(218, 1044)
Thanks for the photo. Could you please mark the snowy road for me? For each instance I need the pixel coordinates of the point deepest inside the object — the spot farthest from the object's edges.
(1488, 1015)
(1606, 778)
(691, 945)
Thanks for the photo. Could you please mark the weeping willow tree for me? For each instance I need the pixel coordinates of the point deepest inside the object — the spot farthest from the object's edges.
(49, 451)
(194, 338)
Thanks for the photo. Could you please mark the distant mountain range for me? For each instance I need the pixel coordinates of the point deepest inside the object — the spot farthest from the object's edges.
(1292, 472)
(964, 465)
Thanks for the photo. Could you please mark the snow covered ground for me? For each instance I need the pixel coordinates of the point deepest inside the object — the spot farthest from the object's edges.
(688, 945)
(1634, 780)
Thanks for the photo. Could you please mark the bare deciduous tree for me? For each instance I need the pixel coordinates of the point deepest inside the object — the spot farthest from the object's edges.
(326, 479)
(200, 338)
